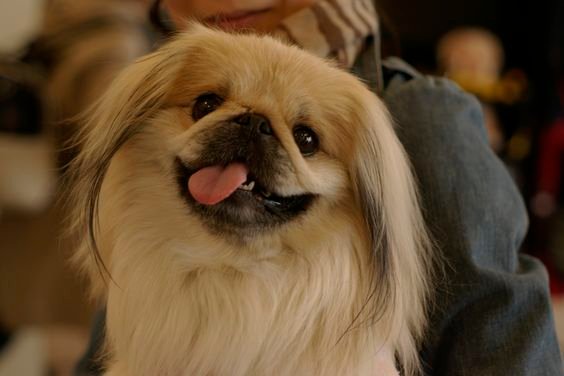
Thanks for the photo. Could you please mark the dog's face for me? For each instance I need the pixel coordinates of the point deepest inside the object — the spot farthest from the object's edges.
(261, 143)
(235, 172)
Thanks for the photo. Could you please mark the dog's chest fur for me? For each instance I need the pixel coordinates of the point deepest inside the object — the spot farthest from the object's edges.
(273, 312)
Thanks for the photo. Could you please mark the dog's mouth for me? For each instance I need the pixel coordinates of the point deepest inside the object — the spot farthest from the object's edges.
(231, 196)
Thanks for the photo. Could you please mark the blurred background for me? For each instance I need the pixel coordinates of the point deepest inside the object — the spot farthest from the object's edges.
(57, 56)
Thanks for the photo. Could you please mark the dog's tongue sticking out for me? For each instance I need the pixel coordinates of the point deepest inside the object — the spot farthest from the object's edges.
(213, 184)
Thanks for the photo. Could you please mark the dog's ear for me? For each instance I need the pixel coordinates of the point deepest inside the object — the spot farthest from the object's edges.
(385, 191)
(134, 96)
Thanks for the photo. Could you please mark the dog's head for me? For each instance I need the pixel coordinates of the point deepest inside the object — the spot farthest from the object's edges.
(244, 139)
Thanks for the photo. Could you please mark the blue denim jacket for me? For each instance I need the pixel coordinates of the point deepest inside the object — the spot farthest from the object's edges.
(492, 315)
(493, 312)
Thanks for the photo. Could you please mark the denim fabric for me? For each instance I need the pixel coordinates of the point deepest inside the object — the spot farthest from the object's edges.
(493, 312)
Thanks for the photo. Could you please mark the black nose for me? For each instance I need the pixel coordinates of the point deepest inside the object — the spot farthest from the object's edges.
(256, 121)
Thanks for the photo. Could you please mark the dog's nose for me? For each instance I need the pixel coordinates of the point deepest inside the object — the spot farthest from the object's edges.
(256, 121)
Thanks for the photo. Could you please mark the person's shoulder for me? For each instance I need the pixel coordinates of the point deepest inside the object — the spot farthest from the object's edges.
(430, 93)
(396, 71)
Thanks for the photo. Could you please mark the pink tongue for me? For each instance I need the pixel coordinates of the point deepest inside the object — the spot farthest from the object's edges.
(214, 184)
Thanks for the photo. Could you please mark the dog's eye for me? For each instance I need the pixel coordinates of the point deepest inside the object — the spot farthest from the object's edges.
(306, 139)
(205, 104)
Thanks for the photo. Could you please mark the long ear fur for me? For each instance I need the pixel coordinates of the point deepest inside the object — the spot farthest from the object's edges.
(401, 249)
(131, 99)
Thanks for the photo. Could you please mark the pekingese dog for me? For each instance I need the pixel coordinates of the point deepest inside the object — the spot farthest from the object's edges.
(248, 210)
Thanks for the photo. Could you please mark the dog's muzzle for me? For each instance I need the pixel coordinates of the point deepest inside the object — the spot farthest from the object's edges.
(232, 185)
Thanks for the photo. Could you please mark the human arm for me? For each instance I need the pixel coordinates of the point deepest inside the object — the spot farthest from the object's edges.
(492, 313)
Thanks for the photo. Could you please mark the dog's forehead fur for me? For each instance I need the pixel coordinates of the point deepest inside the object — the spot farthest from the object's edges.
(243, 64)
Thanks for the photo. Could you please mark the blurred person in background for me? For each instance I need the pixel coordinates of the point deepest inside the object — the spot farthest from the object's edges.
(474, 58)
(493, 312)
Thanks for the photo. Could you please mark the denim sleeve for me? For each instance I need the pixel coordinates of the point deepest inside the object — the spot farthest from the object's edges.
(492, 313)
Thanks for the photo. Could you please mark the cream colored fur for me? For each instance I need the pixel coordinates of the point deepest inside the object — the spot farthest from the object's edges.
(302, 299)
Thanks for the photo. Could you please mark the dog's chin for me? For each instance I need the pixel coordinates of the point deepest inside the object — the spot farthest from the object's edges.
(251, 209)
